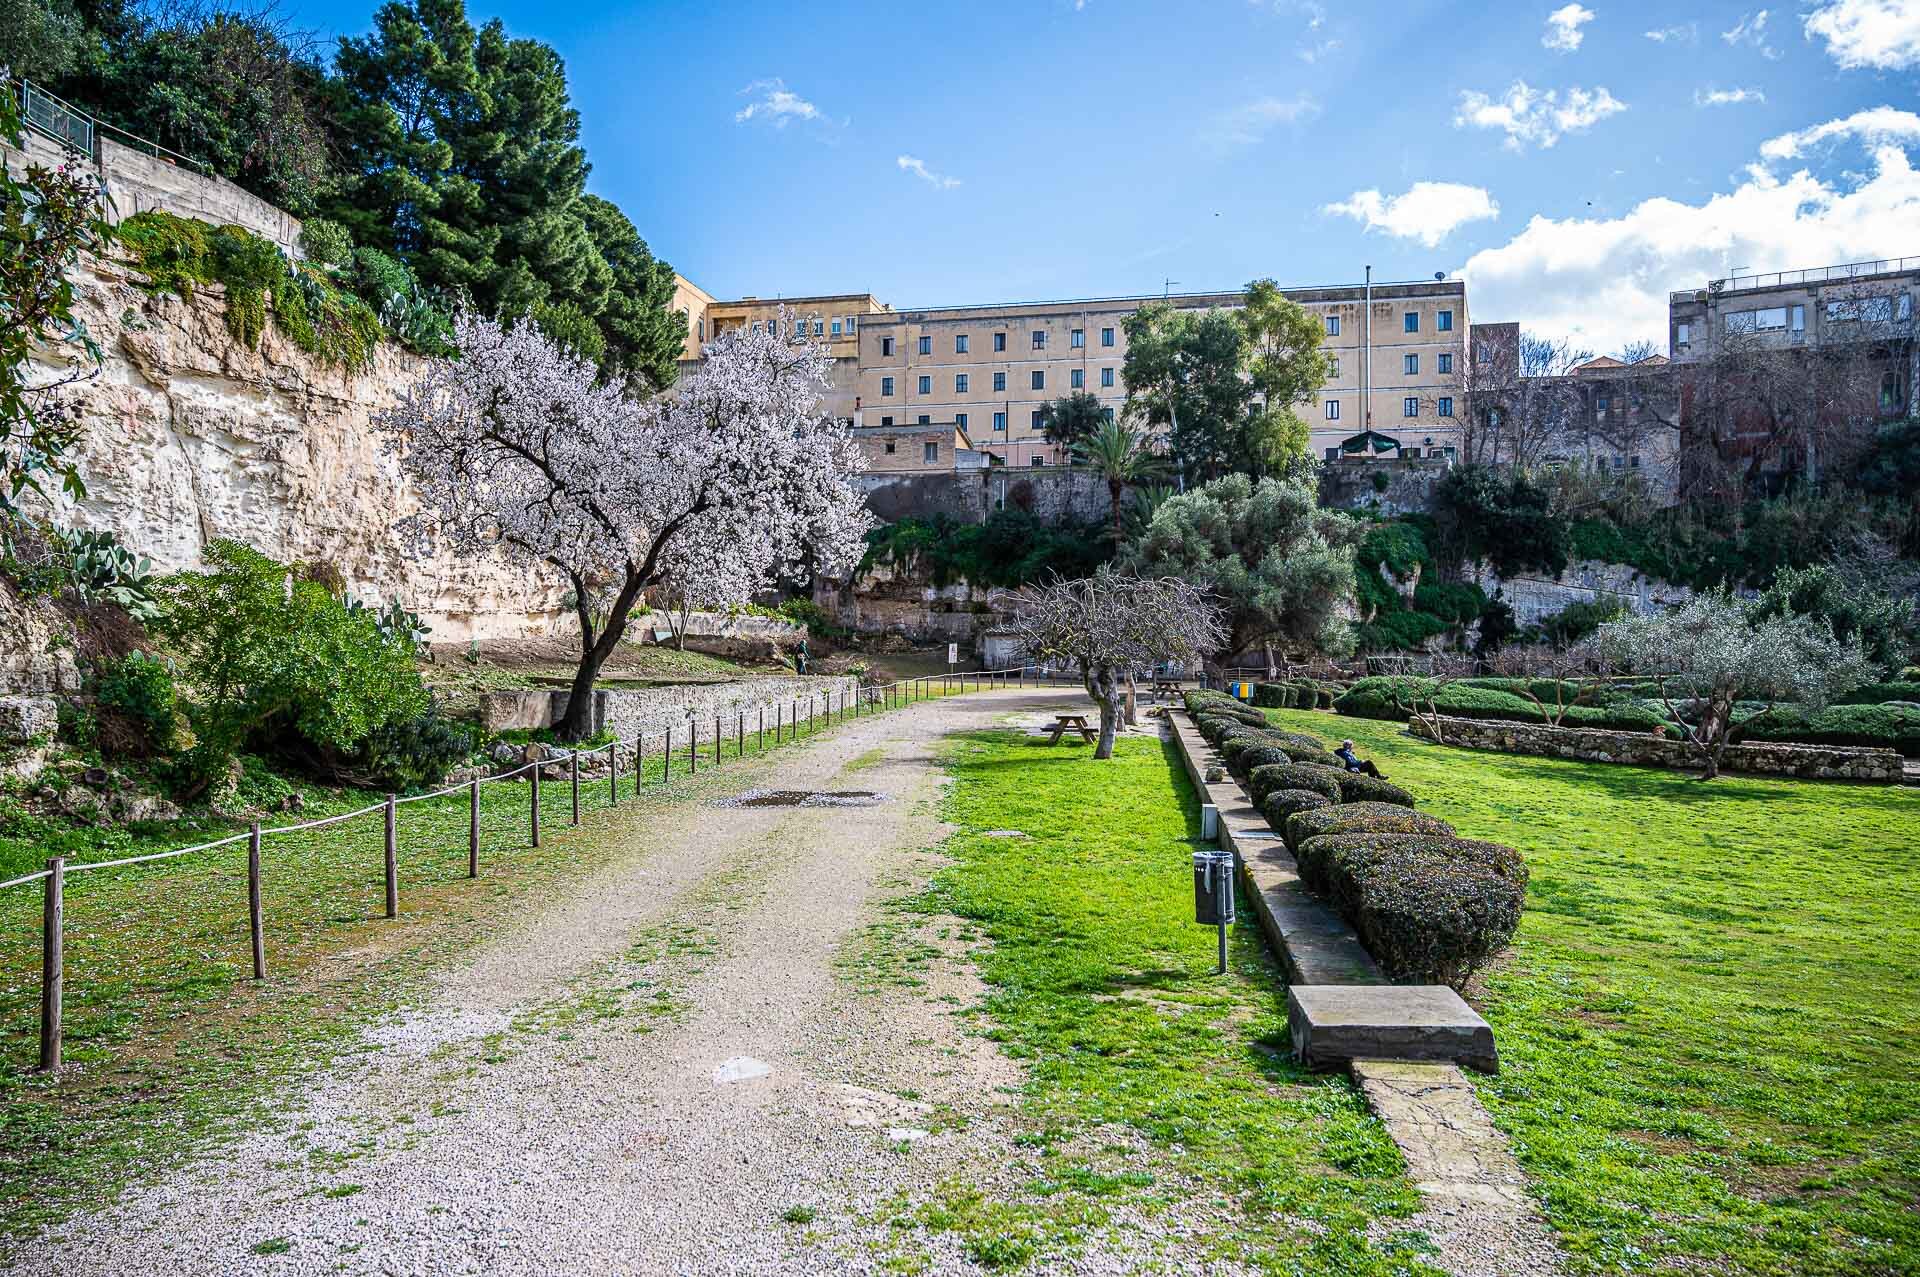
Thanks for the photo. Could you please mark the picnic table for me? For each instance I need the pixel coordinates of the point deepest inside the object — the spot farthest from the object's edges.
(1062, 723)
(1164, 688)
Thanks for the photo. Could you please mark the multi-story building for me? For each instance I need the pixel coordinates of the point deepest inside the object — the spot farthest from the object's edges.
(1397, 352)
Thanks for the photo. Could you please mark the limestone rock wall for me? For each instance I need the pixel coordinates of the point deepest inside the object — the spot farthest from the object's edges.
(190, 436)
(1535, 597)
(1814, 762)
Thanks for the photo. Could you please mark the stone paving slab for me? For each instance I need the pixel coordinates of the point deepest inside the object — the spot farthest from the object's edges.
(1334, 1025)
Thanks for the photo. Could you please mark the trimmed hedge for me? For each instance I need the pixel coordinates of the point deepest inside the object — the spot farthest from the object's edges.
(1358, 787)
(1429, 919)
(1881, 693)
(1359, 818)
(1346, 857)
(1282, 803)
(1277, 776)
(1385, 697)
(1874, 726)
(1313, 754)
(1267, 754)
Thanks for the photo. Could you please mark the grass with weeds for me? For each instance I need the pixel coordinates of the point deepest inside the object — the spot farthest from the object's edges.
(1098, 978)
(1710, 1015)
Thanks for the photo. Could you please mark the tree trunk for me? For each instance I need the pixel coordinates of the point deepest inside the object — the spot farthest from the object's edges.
(577, 723)
(1115, 490)
(1103, 685)
(1133, 701)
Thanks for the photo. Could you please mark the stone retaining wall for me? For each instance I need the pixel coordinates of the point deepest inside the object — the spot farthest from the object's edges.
(628, 712)
(1811, 762)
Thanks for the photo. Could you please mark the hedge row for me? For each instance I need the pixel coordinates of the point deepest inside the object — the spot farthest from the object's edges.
(1387, 696)
(1297, 693)
(1895, 727)
(1430, 907)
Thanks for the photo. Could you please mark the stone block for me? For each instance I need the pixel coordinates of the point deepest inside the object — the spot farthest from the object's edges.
(26, 718)
(1332, 1025)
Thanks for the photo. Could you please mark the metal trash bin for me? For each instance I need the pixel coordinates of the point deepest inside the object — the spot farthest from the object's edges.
(1213, 888)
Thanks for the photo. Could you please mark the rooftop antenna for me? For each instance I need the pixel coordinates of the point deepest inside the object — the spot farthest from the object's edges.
(1166, 287)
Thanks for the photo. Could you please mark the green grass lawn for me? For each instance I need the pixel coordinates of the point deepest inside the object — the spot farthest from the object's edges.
(1100, 981)
(1710, 1018)
(169, 1040)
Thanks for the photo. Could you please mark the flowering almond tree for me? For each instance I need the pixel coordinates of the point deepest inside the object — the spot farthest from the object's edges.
(1110, 625)
(519, 445)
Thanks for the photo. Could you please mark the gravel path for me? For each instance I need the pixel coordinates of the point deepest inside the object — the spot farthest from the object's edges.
(564, 1102)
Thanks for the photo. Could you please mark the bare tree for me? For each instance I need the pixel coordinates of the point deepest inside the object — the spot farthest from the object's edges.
(1112, 624)
(1521, 399)
(1638, 352)
(1576, 672)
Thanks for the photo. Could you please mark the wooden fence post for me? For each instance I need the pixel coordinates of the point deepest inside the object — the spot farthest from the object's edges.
(392, 865)
(533, 805)
(253, 902)
(795, 720)
(719, 735)
(666, 759)
(693, 746)
(639, 762)
(761, 748)
(573, 772)
(53, 971)
(613, 773)
(778, 712)
(473, 828)
(740, 734)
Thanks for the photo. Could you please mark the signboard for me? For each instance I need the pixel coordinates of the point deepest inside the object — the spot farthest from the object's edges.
(953, 653)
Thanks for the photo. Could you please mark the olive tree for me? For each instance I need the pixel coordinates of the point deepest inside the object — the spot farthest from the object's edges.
(1112, 624)
(1712, 652)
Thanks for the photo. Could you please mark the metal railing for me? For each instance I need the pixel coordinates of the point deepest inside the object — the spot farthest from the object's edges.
(786, 724)
(1796, 278)
(75, 129)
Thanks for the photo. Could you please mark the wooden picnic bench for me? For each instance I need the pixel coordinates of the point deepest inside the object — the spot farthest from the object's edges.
(1063, 722)
(1165, 688)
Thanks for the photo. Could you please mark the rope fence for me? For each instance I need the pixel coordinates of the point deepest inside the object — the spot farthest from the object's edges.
(786, 725)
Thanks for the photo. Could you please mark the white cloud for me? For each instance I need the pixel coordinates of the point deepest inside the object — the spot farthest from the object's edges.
(1880, 124)
(775, 105)
(1606, 281)
(1563, 28)
(1685, 33)
(1880, 34)
(1250, 122)
(1427, 211)
(939, 181)
(1726, 97)
(1751, 29)
(1536, 116)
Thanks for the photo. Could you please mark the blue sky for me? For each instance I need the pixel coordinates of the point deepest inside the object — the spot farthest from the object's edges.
(1573, 161)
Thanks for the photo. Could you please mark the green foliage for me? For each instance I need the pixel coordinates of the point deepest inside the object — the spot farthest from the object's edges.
(1400, 547)
(1282, 803)
(1892, 727)
(1290, 775)
(1280, 565)
(1011, 548)
(1577, 621)
(140, 689)
(1426, 912)
(1882, 624)
(810, 614)
(1880, 693)
(415, 753)
(1072, 419)
(1392, 696)
(1358, 787)
(1303, 828)
(327, 244)
(1500, 516)
(571, 329)
(417, 319)
(97, 568)
(282, 662)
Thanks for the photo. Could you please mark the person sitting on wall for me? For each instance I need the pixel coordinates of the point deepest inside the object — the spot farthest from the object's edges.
(1354, 763)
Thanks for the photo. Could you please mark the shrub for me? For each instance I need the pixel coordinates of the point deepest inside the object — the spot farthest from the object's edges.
(1312, 754)
(1431, 920)
(1872, 726)
(1353, 818)
(1388, 696)
(416, 753)
(326, 244)
(1237, 745)
(140, 709)
(1346, 857)
(1880, 694)
(1260, 753)
(1276, 776)
(1282, 803)
(1358, 787)
(1270, 695)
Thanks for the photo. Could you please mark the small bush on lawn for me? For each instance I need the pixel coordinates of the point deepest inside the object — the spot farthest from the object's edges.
(1270, 695)
(1428, 919)
(1345, 858)
(1354, 818)
(1236, 746)
(1358, 787)
(1263, 753)
(1277, 776)
(1282, 803)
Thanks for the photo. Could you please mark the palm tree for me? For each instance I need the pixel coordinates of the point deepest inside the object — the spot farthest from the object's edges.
(1126, 457)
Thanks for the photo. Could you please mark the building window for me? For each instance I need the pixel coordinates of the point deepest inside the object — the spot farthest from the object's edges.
(1333, 325)
(1443, 364)
(959, 343)
(960, 420)
(1600, 405)
(1683, 334)
(926, 345)
(1039, 379)
(1446, 406)
(1000, 381)
(1333, 368)
(999, 341)
(1411, 321)
(1000, 422)
(924, 420)
(756, 326)
(926, 385)
(850, 325)
(1333, 410)
(1444, 321)
(1409, 407)
(1411, 365)
(1891, 398)
(1106, 414)
(703, 330)
(889, 443)
(932, 451)
(819, 328)
(886, 346)
(836, 326)
(1038, 461)
(1077, 339)
(1078, 378)
(1106, 336)
(960, 383)
(1039, 339)
(886, 386)
(1797, 319)
(1106, 377)
(884, 422)
(1036, 419)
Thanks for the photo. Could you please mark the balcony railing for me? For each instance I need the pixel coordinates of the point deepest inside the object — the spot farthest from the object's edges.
(1799, 278)
(75, 129)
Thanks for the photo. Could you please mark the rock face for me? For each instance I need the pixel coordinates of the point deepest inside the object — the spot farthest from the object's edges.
(1812, 762)
(36, 650)
(191, 436)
